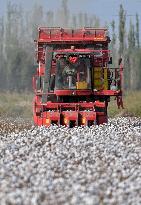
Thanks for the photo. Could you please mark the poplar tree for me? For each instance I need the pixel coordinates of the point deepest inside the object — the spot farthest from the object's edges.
(36, 19)
(131, 37)
(122, 31)
(131, 62)
(2, 60)
(137, 31)
(86, 24)
(74, 21)
(80, 17)
(50, 18)
(113, 43)
(65, 13)
(113, 33)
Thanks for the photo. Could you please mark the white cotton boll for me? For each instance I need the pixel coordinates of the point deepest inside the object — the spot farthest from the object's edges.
(59, 165)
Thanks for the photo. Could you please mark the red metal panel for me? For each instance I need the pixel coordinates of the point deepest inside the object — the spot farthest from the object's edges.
(72, 92)
(50, 116)
(37, 120)
(58, 34)
(99, 104)
(53, 115)
(86, 92)
(89, 115)
(58, 105)
(82, 51)
(107, 92)
(70, 115)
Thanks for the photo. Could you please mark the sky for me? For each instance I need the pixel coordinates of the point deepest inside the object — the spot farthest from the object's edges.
(106, 10)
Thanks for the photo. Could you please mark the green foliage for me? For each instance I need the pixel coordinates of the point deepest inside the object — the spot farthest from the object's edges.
(113, 33)
(122, 22)
(137, 31)
(131, 37)
(128, 47)
(113, 44)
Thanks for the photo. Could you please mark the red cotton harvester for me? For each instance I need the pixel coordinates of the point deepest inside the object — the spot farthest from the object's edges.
(74, 80)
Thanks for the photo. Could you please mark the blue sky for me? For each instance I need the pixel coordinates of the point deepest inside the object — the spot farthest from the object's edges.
(106, 10)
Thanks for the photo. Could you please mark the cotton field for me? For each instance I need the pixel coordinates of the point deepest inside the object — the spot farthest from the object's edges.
(70, 166)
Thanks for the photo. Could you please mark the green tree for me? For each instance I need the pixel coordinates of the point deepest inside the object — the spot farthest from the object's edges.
(113, 44)
(131, 36)
(36, 19)
(80, 19)
(137, 31)
(86, 23)
(133, 64)
(50, 18)
(65, 13)
(74, 21)
(113, 34)
(122, 31)
(94, 21)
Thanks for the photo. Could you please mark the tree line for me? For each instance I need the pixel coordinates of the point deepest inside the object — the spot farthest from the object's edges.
(18, 29)
(127, 46)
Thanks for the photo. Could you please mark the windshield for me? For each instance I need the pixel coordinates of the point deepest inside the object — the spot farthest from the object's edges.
(72, 75)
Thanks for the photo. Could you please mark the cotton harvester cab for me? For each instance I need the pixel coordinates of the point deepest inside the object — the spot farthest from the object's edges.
(74, 80)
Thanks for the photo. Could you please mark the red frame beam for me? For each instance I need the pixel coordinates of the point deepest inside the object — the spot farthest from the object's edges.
(58, 34)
